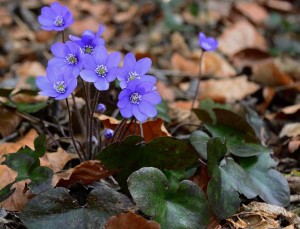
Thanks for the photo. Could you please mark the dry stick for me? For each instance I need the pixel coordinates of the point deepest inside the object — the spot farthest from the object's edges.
(199, 78)
(141, 129)
(63, 36)
(79, 116)
(91, 124)
(71, 132)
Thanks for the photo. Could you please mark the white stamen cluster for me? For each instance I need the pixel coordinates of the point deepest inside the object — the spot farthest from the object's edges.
(71, 59)
(59, 21)
(132, 76)
(135, 98)
(60, 87)
(101, 70)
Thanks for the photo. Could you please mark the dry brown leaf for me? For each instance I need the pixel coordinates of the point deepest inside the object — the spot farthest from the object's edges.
(18, 199)
(268, 95)
(201, 178)
(179, 45)
(9, 121)
(152, 129)
(127, 15)
(130, 220)
(239, 36)
(228, 89)
(87, 172)
(167, 93)
(293, 146)
(290, 130)
(56, 161)
(253, 11)
(213, 64)
(88, 23)
(5, 18)
(102, 11)
(44, 36)
(279, 5)
(289, 66)
(267, 73)
(248, 57)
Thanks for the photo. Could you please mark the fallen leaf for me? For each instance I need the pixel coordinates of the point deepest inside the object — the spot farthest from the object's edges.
(213, 64)
(152, 129)
(279, 5)
(249, 57)
(268, 96)
(294, 145)
(290, 130)
(228, 89)
(127, 15)
(56, 160)
(87, 172)
(9, 121)
(18, 199)
(253, 11)
(88, 23)
(201, 178)
(5, 17)
(179, 45)
(166, 92)
(239, 36)
(130, 220)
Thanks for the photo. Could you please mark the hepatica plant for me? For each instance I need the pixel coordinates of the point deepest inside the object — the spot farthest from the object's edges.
(154, 172)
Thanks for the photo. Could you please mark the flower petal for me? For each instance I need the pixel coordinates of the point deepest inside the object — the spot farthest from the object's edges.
(123, 103)
(152, 97)
(100, 30)
(48, 12)
(112, 74)
(142, 66)
(57, 8)
(54, 74)
(147, 109)
(102, 84)
(113, 60)
(129, 60)
(138, 115)
(89, 75)
(60, 50)
(45, 21)
(124, 93)
(100, 55)
(150, 79)
(126, 111)
(89, 62)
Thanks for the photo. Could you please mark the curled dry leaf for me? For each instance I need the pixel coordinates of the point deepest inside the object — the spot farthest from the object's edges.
(127, 15)
(179, 45)
(152, 129)
(18, 199)
(213, 64)
(255, 12)
(228, 90)
(249, 57)
(9, 121)
(166, 92)
(130, 220)
(239, 36)
(88, 23)
(279, 5)
(87, 172)
(293, 146)
(290, 130)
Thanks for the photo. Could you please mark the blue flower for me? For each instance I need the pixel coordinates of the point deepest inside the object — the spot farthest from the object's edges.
(108, 133)
(56, 84)
(56, 17)
(138, 99)
(100, 67)
(89, 40)
(101, 108)
(207, 43)
(67, 57)
(135, 70)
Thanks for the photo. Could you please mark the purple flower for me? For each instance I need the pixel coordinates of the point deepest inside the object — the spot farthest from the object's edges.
(56, 17)
(100, 67)
(135, 70)
(108, 133)
(101, 108)
(56, 84)
(67, 57)
(89, 40)
(207, 43)
(138, 99)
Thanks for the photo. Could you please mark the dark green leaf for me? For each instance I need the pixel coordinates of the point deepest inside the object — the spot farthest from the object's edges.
(41, 178)
(30, 108)
(216, 151)
(199, 140)
(55, 208)
(185, 207)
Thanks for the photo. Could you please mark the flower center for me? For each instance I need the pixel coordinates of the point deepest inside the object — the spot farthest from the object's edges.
(132, 76)
(101, 70)
(59, 21)
(60, 86)
(88, 49)
(71, 59)
(135, 98)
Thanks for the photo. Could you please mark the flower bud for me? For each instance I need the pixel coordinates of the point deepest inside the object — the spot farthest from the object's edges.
(101, 108)
(108, 133)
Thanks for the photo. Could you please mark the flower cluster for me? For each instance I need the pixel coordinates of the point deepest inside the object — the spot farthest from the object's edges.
(87, 57)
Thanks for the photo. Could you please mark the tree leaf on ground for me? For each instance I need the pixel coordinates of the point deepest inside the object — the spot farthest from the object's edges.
(199, 140)
(56, 208)
(87, 172)
(239, 36)
(130, 220)
(184, 208)
(9, 121)
(253, 11)
(249, 57)
(290, 130)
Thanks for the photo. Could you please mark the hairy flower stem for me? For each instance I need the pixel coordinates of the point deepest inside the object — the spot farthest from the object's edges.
(122, 135)
(199, 78)
(117, 130)
(72, 134)
(91, 125)
(78, 115)
(63, 36)
(142, 130)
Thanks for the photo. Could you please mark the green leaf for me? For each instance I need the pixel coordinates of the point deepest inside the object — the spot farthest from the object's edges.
(55, 208)
(131, 155)
(208, 105)
(216, 151)
(30, 108)
(163, 111)
(41, 178)
(199, 140)
(185, 207)
(40, 146)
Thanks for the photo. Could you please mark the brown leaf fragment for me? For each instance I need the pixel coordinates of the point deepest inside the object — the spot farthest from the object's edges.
(293, 146)
(130, 220)
(280, 5)
(255, 12)
(165, 91)
(290, 130)
(126, 16)
(9, 121)
(249, 57)
(87, 172)
(239, 36)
